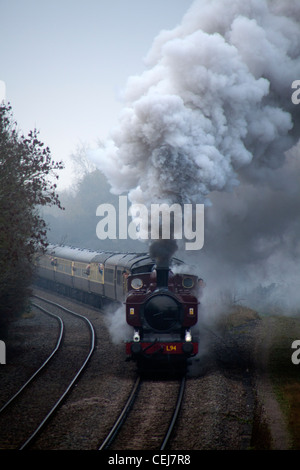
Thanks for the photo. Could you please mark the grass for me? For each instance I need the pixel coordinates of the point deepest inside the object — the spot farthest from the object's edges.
(285, 375)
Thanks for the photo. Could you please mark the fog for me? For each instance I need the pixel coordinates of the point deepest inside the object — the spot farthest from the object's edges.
(212, 121)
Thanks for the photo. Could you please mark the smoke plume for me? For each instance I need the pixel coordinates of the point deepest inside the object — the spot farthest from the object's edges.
(211, 121)
(162, 251)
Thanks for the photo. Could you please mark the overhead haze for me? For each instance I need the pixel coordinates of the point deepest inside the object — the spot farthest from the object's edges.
(211, 121)
(64, 64)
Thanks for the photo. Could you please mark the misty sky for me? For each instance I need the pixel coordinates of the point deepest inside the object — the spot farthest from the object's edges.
(65, 63)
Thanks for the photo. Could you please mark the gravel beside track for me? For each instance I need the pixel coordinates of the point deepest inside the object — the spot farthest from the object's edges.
(79, 423)
(218, 410)
(148, 422)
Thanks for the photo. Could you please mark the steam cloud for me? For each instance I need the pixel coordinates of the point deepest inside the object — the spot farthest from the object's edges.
(162, 251)
(211, 121)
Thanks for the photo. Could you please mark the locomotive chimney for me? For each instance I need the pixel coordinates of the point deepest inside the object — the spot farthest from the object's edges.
(162, 277)
(161, 251)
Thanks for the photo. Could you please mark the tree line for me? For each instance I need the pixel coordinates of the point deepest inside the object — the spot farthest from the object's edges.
(76, 226)
(27, 182)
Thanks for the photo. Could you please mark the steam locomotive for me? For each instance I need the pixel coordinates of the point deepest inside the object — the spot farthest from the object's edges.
(161, 303)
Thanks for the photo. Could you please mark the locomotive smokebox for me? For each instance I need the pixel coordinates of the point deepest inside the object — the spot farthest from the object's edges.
(162, 276)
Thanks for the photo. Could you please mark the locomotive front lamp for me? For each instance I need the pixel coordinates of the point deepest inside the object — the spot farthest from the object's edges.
(188, 336)
(136, 336)
(136, 283)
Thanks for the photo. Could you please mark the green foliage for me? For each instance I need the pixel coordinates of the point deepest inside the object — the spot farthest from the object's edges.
(25, 168)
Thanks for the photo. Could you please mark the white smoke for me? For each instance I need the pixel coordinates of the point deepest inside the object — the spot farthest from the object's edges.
(119, 330)
(211, 120)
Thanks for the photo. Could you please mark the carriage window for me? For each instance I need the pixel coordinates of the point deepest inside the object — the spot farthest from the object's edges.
(109, 275)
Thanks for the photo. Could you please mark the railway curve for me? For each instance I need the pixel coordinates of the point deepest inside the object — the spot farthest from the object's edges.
(219, 405)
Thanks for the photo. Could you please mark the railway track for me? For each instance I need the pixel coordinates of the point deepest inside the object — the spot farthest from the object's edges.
(213, 403)
(13, 411)
(116, 429)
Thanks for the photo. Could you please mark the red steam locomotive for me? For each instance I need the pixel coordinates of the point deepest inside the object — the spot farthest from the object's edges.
(162, 308)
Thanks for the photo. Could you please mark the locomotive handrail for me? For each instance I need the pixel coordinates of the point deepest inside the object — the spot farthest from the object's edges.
(150, 346)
